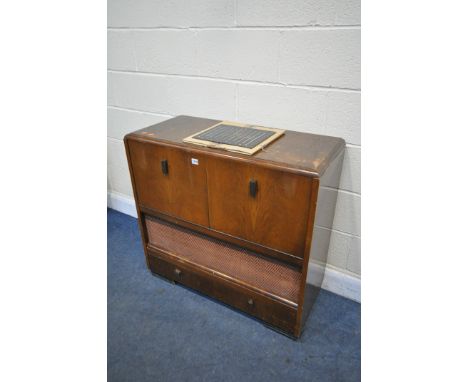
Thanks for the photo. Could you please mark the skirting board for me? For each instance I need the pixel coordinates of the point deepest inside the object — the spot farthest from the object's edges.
(121, 203)
(335, 281)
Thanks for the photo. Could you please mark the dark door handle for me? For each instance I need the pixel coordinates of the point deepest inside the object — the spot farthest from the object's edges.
(165, 167)
(253, 187)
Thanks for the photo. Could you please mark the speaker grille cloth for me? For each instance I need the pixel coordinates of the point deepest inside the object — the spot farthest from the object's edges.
(228, 259)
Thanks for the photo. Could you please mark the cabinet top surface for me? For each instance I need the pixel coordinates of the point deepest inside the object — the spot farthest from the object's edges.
(306, 152)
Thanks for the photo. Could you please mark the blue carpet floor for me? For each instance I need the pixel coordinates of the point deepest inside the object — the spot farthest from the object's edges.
(163, 332)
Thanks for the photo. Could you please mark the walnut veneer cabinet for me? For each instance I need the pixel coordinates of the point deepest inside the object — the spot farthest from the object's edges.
(244, 230)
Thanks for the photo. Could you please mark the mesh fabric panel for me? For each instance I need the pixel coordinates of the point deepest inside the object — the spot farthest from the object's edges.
(228, 259)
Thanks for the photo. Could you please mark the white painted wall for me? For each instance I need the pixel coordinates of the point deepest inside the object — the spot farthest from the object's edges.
(289, 64)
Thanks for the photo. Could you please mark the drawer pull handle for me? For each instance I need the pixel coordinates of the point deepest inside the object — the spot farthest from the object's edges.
(253, 187)
(250, 301)
(165, 167)
(178, 272)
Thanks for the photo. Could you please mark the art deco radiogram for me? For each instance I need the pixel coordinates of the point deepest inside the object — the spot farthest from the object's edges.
(247, 230)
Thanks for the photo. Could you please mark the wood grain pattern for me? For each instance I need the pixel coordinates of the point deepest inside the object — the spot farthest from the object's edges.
(269, 218)
(141, 221)
(265, 203)
(276, 313)
(307, 295)
(298, 152)
(182, 192)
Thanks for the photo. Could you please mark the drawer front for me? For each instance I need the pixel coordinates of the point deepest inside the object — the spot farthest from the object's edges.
(169, 181)
(265, 206)
(264, 308)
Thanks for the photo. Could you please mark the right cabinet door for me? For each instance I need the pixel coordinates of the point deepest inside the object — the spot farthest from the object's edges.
(265, 206)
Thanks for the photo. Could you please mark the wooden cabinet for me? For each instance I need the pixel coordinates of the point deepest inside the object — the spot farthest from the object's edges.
(237, 228)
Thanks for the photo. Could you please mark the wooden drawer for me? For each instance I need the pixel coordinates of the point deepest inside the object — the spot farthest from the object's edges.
(267, 309)
(166, 180)
(262, 205)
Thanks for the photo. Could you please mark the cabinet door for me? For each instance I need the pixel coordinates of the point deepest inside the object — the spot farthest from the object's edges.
(265, 206)
(168, 181)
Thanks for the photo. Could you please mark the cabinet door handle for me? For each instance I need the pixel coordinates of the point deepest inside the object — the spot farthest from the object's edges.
(165, 167)
(253, 187)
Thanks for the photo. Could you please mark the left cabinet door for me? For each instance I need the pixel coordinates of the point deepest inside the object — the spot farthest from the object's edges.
(170, 180)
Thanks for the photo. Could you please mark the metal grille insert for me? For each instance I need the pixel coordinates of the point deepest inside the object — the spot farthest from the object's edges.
(247, 137)
(228, 259)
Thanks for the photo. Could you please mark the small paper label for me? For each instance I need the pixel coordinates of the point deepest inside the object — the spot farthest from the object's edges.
(195, 161)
